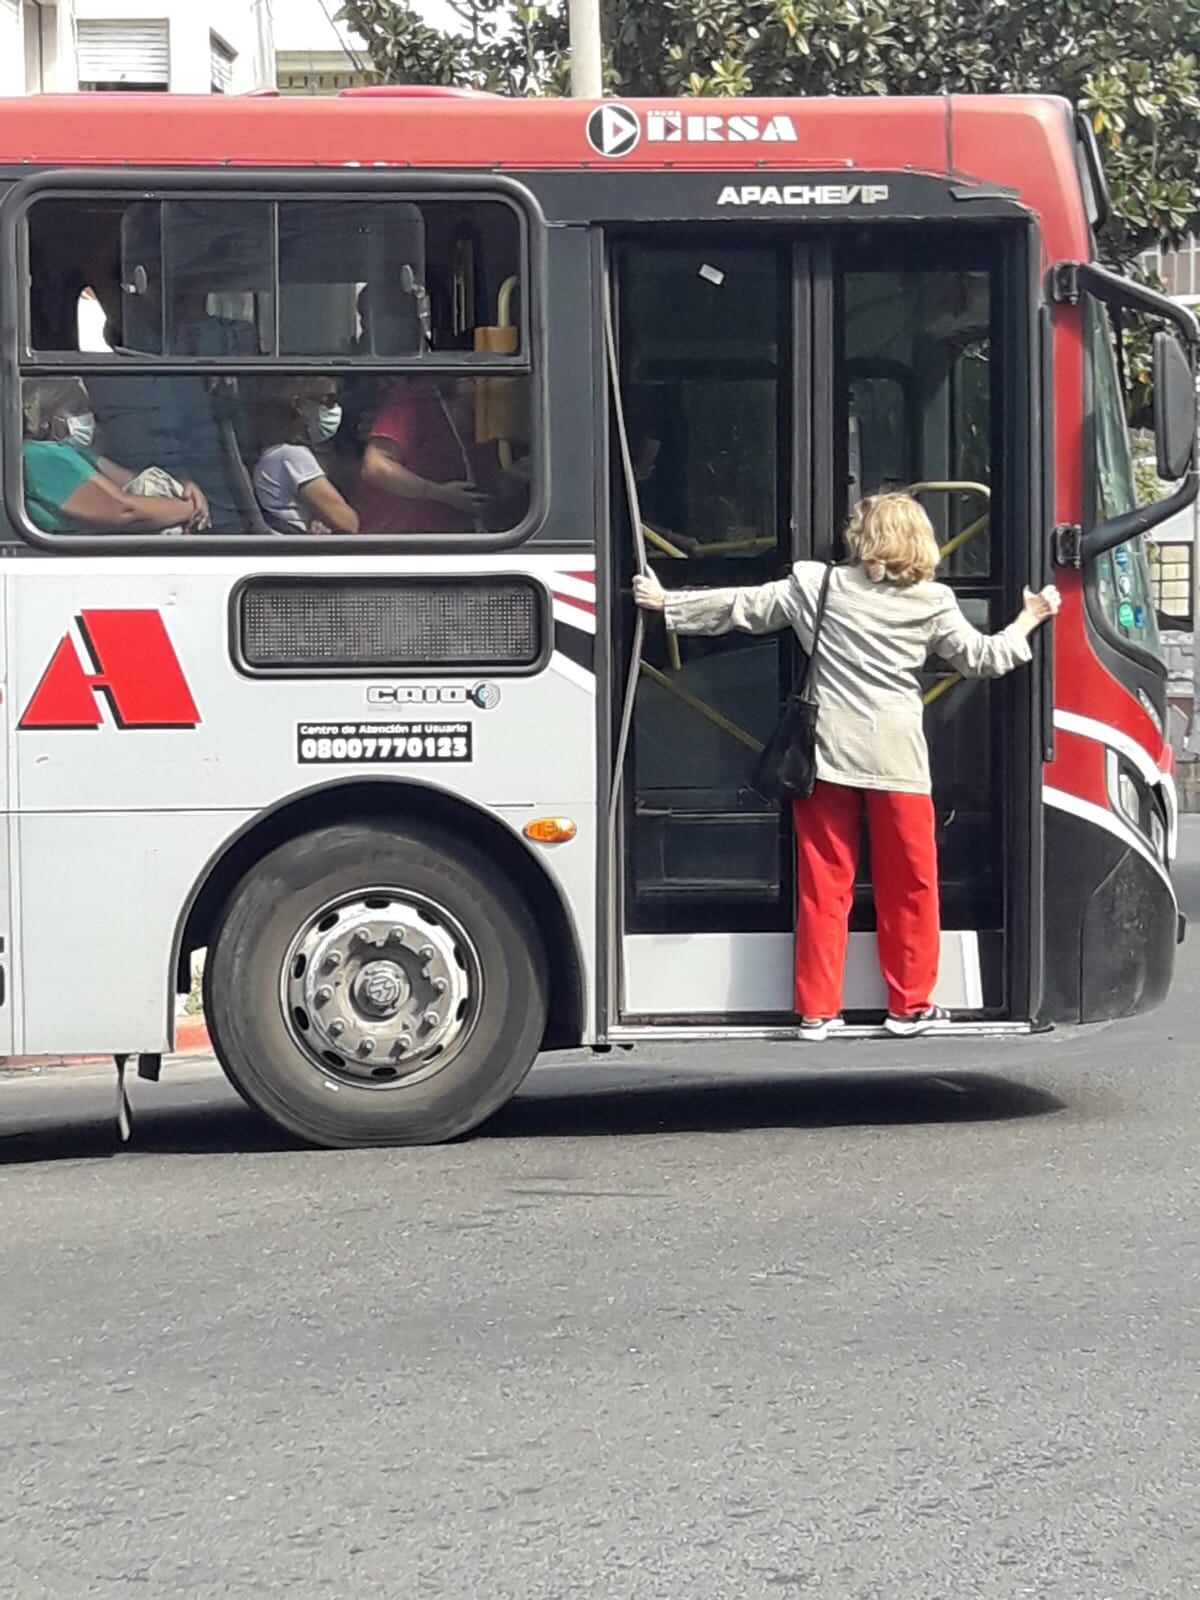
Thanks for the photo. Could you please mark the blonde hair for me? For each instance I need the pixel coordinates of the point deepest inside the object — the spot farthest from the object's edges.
(891, 537)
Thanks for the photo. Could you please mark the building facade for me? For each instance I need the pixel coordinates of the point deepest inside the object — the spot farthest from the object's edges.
(175, 46)
(319, 71)
(167, 46)
(1178, 270)
(37, 47)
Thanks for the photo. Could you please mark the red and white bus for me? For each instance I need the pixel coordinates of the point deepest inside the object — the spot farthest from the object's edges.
(424, 792)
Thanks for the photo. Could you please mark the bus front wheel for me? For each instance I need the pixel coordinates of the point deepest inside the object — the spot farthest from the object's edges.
(369, 986)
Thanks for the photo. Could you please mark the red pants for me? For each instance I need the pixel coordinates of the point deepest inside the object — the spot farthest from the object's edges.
(904, 873)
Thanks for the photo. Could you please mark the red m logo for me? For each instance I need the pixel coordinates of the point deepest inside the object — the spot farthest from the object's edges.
(136, 666)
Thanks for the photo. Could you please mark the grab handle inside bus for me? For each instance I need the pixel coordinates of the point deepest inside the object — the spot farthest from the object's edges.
(640, 566)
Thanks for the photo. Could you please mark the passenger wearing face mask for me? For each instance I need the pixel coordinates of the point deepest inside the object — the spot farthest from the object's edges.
(292, 487)
(71, 488)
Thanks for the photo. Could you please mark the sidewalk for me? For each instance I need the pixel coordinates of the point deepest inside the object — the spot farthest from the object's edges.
(191, 1038)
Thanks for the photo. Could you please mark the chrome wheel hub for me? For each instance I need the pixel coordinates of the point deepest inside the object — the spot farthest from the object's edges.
(381, 986)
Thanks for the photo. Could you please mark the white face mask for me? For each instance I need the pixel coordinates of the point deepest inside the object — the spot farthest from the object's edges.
(81, 429)
(325, 424)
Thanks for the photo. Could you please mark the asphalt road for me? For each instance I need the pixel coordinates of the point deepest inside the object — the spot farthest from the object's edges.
(703, 1327)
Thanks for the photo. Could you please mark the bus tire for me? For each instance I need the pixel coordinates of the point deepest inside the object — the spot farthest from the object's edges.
(371, 986)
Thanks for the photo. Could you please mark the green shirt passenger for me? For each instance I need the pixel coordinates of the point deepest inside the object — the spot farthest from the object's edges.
(70, 488)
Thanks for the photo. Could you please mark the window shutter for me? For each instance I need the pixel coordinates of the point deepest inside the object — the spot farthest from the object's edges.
(132, 53)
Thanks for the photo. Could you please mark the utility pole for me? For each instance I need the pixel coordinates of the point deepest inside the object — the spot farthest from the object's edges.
(583, 25)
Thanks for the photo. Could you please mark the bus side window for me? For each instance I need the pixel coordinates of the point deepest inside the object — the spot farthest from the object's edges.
(390, 278)
(201, 285)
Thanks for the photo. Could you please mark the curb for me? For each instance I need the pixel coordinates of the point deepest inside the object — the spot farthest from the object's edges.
(191, 1038)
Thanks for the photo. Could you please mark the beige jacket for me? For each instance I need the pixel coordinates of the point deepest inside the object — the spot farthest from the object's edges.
(874, 642)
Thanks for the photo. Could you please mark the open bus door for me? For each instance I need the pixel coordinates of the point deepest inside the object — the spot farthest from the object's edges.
(766, 380)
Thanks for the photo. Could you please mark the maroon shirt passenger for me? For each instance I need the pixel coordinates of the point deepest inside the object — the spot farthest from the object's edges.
(422, 471)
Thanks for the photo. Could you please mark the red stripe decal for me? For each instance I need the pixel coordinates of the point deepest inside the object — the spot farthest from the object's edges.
(574, 600)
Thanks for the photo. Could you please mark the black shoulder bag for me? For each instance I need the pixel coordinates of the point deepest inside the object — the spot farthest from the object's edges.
(787, 767)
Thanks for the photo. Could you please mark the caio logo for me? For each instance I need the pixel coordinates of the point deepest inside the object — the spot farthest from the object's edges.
(133, 665)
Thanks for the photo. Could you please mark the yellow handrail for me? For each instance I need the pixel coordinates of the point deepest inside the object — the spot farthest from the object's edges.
(727, 547)
(966, 535)
(950, 486)
(956, 486)
(504, 302)
(662, 544)
(722, 722)
(939, 689)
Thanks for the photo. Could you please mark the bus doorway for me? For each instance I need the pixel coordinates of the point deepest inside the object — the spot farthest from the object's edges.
(768, 380)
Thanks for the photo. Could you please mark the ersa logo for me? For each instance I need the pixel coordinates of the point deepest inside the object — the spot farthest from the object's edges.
(613, 130)
(133, 666)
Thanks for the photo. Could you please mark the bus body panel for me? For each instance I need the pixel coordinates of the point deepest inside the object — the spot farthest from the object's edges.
(100, 908)
(119, 822)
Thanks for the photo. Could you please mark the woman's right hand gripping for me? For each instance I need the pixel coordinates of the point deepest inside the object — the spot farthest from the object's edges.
(648, 592)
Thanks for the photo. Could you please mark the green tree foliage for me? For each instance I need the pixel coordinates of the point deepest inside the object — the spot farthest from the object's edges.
(1131, 65)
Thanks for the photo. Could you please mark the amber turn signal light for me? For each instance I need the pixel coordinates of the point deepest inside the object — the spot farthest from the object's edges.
(550, 830)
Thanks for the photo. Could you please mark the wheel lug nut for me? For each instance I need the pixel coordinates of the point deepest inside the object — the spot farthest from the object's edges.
(324, 995)
(337, 1027)
(363, 935)
(367, 1047)
(397, 936)
(439, 985)
(334, 959)
(426, 952)
(431, 1019)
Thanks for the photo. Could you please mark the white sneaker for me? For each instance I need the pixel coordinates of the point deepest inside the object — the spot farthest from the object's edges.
(814, 1031)
(913, 1027)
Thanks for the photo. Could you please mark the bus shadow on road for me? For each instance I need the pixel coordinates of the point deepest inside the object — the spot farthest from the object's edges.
(228, 1128)
(546, 1111)
(830, 1101)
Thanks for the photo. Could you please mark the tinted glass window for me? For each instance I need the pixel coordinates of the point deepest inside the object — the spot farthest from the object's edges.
(238, 278)
(706, 352)
(192, 452)
(920, 374)
(233, 425)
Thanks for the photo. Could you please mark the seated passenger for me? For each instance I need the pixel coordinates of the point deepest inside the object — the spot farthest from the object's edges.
(421, 469)
(293, 488)
(69, 488)
(174, 419)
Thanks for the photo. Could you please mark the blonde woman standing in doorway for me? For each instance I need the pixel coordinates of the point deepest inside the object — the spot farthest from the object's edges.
(884, 617)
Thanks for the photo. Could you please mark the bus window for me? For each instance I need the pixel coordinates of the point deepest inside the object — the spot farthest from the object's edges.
(920, 392)
(706, 338)
(917, 377)
(409, 456)
(185, 284)
(882, 444)
(173, 278)
(392, 278)
(1121, 577)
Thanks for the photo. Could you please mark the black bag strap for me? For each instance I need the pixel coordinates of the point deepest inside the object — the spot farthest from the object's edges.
(810, 670)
